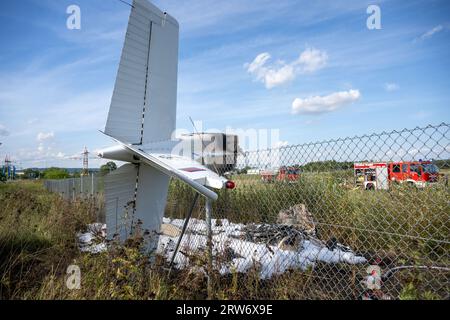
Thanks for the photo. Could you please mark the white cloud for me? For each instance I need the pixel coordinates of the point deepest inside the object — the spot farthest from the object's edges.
(431, 32)
(42, 136)
(313, 59)
(391, 87)
(324, 104)
(272, 75)
(258, 63)
(276, 77)
(3, 131)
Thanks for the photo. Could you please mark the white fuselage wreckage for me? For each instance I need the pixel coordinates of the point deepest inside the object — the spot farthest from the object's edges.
(141, 120)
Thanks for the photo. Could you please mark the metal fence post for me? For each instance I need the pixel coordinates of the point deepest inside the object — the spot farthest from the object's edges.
(92, 183)
(73, 189)
(209, 244)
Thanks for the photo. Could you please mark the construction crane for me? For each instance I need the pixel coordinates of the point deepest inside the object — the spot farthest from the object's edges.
(84, 156)
(85, 171)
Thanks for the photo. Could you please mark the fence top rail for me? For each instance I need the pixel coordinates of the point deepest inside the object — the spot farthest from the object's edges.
(76, 178)
(365, 136)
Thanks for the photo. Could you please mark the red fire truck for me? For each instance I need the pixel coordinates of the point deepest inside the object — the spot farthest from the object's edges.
(284, 174)
(369, 175)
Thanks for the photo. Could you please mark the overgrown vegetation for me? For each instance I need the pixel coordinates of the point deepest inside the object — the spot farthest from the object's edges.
(402, 226)
(55, 173)
(107, 168)
(38, 243)
(399, 227)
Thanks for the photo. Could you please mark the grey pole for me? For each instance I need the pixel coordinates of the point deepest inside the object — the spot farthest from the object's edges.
(209, 244)
(73, 189)
(186, 222)
(92, 183)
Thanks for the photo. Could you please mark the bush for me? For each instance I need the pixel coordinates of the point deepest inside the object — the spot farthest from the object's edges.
(56, 173)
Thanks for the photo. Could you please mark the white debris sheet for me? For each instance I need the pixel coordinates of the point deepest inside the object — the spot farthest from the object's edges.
(93, 240)
(239, 255)
(245, 254)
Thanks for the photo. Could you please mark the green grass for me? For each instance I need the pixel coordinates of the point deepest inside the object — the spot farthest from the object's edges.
(36, 234)
(403, 226)
(366, 220)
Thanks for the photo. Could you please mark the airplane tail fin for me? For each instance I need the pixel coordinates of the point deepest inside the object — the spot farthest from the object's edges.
(143, 104)
(135, 197)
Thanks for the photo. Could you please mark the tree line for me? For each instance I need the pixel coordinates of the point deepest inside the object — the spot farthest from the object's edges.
(62, 173)
(331, 165)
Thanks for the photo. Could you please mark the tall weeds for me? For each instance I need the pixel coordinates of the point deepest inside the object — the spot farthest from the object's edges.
(402, 226)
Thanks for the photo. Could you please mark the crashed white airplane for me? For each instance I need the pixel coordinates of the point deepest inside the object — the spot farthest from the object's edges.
(141, 120)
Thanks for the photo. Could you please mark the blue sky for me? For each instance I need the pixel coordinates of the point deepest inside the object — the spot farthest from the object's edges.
(319, 72)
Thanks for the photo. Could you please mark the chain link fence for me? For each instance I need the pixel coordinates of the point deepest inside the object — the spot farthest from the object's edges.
(364, 217)
(76, 188)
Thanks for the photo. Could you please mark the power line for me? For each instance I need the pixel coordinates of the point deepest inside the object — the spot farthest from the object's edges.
(126, 3)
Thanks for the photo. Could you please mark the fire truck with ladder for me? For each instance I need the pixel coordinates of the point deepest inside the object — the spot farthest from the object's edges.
(379, 175)
(283, 174)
